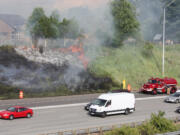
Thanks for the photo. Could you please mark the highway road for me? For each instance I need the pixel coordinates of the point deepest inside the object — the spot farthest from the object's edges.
(61, 117)
(35, 102)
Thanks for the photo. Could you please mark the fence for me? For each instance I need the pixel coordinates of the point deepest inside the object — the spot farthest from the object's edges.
(101, 130)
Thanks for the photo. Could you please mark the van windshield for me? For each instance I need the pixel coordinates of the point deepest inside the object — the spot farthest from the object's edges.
(99, 102)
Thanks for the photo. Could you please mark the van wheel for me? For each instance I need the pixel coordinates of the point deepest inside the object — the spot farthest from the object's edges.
(103, 115)
(126, 112)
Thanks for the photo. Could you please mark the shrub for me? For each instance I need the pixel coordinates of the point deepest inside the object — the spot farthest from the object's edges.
(161, 123)
(125, 130)
(147, 129)
(7, 48)
(148, 49)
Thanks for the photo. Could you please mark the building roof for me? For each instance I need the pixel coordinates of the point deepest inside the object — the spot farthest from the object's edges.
(157, 37)
(15, 21)
(5, 28)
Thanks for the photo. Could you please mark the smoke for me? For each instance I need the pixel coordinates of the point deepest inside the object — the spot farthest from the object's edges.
(149, 15)
(94, 19)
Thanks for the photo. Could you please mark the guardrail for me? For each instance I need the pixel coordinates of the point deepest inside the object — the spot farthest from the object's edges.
(102, 129)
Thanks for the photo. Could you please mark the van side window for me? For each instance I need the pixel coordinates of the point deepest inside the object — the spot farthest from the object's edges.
(108, 103)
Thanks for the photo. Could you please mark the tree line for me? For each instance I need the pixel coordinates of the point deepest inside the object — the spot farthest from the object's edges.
(125, 23)
(41, 26)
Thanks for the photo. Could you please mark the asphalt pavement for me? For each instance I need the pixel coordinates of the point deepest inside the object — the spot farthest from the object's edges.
(73, 116)
(35, 102)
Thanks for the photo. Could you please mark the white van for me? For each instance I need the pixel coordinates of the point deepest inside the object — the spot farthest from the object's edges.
(113, 103)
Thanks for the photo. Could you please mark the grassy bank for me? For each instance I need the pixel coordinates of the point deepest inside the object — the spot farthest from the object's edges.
(136, 64)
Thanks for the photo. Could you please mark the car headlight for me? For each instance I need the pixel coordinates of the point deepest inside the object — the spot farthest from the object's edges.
(99, 110)
(5, 115)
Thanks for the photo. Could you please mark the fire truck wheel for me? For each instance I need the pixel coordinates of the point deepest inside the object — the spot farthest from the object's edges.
(173, 90)
(154, 92)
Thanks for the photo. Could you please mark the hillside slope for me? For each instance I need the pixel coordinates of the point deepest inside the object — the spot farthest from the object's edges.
(136, 64)
(35, 72)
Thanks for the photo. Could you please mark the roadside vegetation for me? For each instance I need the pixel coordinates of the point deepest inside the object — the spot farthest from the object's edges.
(137, 63)
(157, 124)
(115, 58)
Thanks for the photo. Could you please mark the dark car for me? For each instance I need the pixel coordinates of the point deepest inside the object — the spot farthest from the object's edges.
(178, 109)
(89, 104)
(119, 91)
(16, 112)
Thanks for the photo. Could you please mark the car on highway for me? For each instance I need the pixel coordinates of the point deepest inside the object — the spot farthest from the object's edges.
(178, 109)
(16, 112)
(173, 98)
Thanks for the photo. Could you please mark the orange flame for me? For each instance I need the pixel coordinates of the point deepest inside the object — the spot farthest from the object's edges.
(77, 49)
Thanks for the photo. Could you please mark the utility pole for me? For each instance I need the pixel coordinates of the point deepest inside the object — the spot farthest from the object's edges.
(164, 27)
(164, 34)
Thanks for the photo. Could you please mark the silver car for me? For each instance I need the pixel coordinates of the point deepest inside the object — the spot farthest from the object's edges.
(173, 98)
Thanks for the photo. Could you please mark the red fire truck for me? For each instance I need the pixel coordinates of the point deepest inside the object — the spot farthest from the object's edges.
(158, 85)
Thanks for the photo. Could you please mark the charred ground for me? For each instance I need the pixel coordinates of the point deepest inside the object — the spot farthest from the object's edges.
(19, 71)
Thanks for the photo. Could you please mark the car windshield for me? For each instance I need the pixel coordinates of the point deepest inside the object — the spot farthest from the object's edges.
(99, 102)
(152, 81)
(11, 109)
(175, 95)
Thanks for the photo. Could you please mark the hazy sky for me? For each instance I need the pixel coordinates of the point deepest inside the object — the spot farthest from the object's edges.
(25, 7)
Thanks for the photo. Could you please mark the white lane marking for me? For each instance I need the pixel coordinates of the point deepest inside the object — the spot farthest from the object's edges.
(58, 106)
(82, 104)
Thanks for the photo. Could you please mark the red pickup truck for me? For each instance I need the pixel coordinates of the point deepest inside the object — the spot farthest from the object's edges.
(158, 85)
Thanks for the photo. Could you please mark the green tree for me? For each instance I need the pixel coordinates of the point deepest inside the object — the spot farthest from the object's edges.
(125, 22)
(69, 29)
(47, 28)
(33, 24)
(41, 26)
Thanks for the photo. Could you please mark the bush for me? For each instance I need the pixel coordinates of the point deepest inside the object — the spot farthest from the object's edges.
(125, 130)
(157, 124)
(147, 129)
(7, 48)
(161, 123)
(148, 49)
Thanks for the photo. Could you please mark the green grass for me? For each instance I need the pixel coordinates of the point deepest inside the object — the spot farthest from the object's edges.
(135, 64)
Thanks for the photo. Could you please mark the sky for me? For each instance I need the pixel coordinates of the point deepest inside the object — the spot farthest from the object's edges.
(25, 7)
